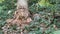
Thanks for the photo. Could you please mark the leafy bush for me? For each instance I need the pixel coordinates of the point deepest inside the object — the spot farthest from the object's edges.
(45, 21)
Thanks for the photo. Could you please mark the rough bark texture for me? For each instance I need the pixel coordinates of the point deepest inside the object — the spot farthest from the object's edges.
(20, 19)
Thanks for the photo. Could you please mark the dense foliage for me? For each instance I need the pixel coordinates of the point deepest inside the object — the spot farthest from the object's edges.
(45, 15)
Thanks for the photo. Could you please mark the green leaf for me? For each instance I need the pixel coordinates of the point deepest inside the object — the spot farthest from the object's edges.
(1, 1)
(57, 32)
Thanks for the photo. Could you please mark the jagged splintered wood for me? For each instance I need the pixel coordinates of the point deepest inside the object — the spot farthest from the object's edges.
(21, 14)
(22, 4)
(22, 8)
(21, 17)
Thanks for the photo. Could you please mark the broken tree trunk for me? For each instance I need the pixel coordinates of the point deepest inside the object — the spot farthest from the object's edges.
(21, 18)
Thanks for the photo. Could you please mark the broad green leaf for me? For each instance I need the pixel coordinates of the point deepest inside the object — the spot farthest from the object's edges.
(44, 3)
(1, 1)
(57, 32)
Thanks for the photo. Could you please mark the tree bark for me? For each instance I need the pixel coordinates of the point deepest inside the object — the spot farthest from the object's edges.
(22, 8)
(21, 17)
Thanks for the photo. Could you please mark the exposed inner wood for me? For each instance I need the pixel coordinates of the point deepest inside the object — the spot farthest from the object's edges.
(21, 17)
